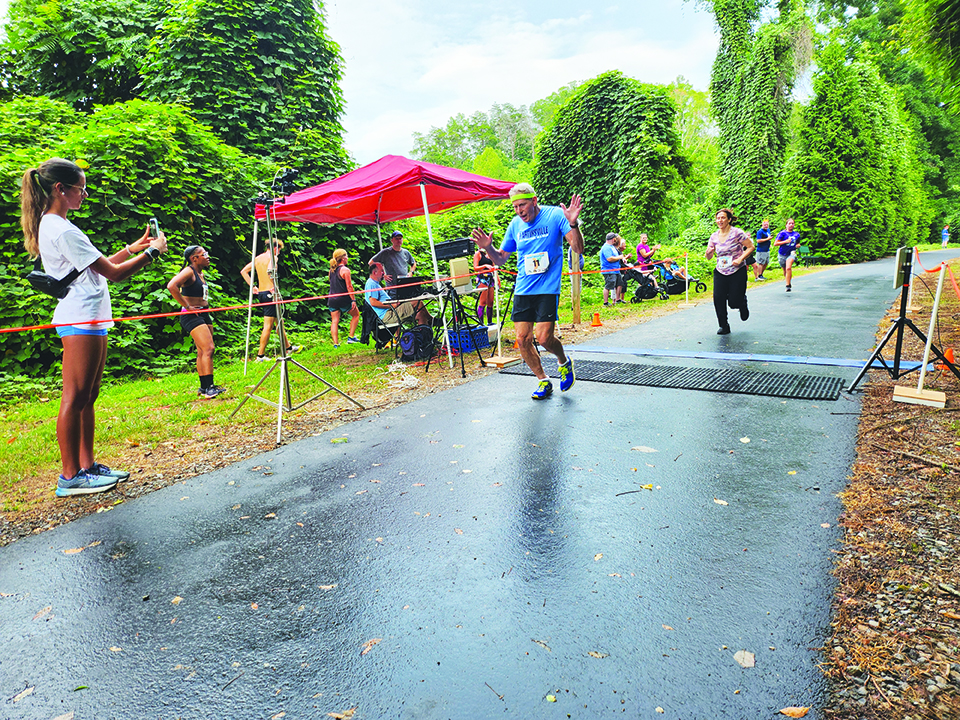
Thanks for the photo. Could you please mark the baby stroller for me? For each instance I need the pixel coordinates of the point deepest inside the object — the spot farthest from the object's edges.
(646, 288)
(676, 285)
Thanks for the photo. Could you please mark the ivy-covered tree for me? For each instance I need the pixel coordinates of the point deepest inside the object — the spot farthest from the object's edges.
(854, 186)
(262, 73)
(615, 143)
(874, 28)
(753, 75)
(83, 52)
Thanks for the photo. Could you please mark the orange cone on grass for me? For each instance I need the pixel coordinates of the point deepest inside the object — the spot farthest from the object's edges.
(596, 320)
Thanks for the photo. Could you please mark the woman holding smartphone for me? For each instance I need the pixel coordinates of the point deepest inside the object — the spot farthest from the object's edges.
(47, 194)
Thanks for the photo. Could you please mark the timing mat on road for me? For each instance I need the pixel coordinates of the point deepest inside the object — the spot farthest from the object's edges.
(743, 382)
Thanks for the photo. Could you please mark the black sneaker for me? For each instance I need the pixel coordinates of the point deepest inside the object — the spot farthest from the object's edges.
(789, 288)
(725, 330)
(744, 312)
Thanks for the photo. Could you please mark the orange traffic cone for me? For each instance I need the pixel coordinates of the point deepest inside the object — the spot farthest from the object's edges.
(948, 354)
(516, 344)
(596, 320)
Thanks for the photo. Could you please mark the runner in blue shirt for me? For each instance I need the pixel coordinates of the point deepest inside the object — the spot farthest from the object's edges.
(761, 257)
(786, 243)
(536, 234)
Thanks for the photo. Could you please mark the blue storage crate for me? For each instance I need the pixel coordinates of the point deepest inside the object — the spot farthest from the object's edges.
(470, 338)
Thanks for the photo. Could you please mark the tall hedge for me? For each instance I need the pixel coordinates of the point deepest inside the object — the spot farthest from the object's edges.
(854, 185)
(615, 143)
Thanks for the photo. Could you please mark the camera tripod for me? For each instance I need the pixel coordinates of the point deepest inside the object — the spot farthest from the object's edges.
(285, 400)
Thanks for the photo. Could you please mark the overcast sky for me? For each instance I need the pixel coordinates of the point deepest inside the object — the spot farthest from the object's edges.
(413, 64)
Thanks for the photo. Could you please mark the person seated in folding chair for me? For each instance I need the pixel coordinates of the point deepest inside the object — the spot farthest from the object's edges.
(388, 310)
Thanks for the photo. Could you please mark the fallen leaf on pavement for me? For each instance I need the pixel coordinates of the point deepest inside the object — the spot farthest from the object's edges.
(369, 644)
(666, 627)
(278, 715)
(541, 644)
(720, 502)
(745, 658)
(328, 587)
(116, 649)
(458, 531)
(43, 612)
(65, 716)
(794, 712)
(744, 440)
(598, 655)
(345, 715)
(22, 694)
(597, 557)
(177, 600)
(340, 440)
(643, 448)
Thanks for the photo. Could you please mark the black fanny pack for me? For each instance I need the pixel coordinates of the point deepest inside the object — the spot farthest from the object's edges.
(48, 285)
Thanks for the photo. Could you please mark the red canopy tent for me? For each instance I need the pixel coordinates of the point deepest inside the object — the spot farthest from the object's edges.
(388, 189)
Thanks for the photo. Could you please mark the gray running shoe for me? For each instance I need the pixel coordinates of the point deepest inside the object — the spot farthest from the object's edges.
(105, 472)
(83, 483)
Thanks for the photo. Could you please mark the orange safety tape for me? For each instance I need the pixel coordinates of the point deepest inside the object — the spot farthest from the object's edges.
(207, 310)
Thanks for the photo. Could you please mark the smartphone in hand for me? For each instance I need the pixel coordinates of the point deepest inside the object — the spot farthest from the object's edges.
(154, 228)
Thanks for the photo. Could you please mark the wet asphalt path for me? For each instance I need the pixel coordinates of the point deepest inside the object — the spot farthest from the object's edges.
(476, 554)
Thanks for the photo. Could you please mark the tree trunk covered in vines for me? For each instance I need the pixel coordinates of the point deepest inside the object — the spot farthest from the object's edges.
(753, 75)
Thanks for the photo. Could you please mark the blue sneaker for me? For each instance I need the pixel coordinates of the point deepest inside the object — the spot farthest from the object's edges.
(352, 341)
(83, 483)
(103, 471)
(544, 390)
(567, 378)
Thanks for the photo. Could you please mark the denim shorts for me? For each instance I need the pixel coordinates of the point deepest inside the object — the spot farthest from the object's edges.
(66, 330)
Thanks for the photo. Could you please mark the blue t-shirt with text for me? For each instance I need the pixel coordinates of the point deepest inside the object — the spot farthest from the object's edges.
(544, 234)
(793, 237)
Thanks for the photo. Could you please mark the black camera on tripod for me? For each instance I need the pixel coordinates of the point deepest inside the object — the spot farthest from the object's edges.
(283, 181)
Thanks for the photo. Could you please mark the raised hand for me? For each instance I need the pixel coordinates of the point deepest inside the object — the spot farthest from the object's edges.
(572, 213)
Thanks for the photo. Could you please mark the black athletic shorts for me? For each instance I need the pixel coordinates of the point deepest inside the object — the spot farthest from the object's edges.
(343, 304)
(535, 308)
(189, 321)
(266, 296)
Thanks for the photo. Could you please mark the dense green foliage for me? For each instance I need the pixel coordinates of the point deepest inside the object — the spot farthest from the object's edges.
(85, 52)
(143, 160)
(854, 184)
(932, 30)
(871, 32)
(615, 143)
(753, 74)
(260, 72)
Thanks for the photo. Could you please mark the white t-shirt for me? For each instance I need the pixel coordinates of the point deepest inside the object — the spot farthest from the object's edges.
(63, 247)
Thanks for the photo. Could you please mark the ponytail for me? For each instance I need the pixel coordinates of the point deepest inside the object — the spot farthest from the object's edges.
(36, 196)
(338, 254)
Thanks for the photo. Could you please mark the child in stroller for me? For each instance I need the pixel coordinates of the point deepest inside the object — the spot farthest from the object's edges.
(647, 287)
(675, 278)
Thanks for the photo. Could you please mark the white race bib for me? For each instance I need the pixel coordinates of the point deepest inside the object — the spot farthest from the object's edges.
(536, 263)
(724, 261)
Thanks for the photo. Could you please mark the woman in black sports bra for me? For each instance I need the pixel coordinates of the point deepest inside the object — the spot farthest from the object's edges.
(189, 288)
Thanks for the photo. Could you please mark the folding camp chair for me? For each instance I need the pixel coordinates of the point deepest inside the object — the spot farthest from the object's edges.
(383, 333)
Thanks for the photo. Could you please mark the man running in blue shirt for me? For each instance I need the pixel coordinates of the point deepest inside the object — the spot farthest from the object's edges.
(536, 234)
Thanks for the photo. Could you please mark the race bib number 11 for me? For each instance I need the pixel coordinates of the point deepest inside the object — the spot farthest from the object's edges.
(536, 263)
